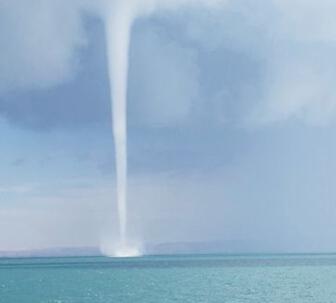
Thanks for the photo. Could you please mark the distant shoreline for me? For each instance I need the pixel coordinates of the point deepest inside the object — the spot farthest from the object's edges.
(166, 249)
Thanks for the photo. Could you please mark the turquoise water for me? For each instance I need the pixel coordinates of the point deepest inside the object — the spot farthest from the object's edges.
(216, 278)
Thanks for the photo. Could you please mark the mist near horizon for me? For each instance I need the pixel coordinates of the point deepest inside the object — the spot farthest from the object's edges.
(231, 112)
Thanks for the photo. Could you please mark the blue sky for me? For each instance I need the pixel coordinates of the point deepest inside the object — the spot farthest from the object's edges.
(231, 123)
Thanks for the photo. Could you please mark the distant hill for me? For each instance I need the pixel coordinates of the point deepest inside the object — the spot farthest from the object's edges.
(228, 247)
(52, 252)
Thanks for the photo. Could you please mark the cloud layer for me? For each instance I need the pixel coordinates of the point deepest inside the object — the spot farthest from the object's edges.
(252, 61)
(38, 42)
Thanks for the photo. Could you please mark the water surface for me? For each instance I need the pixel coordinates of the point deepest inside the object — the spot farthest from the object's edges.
(207, 278)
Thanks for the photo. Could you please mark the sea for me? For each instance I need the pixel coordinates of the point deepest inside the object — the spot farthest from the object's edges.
(167, 279)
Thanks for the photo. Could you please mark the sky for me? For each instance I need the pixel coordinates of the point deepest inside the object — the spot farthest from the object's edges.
(231, 116)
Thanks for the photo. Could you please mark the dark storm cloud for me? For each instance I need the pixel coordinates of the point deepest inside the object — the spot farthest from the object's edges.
(82, 101)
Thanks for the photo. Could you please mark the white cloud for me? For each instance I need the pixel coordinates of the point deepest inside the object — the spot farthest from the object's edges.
(299, 85)
(164, 81)
(307, 20)
(38, 41)
(19, 189)
(299, 82)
